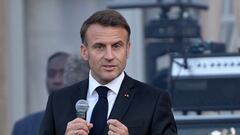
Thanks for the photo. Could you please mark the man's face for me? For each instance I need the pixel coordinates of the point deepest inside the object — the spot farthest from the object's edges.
(55, 72)
(106, 50)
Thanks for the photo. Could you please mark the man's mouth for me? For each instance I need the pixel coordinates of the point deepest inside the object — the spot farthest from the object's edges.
(109, 67)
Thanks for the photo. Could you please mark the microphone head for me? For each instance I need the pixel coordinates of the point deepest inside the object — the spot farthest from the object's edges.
(81, 105)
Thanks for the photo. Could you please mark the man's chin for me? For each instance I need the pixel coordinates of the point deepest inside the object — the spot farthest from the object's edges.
(110, 77)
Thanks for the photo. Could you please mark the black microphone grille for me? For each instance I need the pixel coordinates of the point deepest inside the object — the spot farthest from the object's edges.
(82, 105)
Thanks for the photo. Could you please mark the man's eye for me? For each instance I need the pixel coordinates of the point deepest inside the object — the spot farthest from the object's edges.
(117, 45)
(98, 46)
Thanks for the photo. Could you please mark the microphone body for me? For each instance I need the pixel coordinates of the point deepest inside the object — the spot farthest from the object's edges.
(81, 108)
(81, 115)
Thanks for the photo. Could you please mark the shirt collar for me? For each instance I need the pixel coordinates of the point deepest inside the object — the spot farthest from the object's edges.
(114, 85)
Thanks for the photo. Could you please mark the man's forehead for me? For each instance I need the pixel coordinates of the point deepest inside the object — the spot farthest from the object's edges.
(98, 32)
(101, 28)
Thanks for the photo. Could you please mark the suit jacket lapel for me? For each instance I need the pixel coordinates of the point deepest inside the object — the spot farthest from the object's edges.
(124, 98)
(83, 86)
(78, 91)
(81, 91)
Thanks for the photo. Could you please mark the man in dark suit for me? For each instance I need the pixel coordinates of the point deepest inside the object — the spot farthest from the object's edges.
(30, 124)
(118, 104)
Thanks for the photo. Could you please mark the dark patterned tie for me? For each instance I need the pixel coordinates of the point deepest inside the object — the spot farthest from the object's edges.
(100, 110)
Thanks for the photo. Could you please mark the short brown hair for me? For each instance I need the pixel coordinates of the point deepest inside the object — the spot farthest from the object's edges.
(106, 17)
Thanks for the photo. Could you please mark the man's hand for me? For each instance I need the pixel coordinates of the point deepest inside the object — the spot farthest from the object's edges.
(78, 126)
(116, 127)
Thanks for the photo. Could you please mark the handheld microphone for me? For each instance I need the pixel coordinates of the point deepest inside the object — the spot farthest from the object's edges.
(81, 108)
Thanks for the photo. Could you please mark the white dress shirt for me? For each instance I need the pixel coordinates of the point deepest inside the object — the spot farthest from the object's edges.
(92, 96)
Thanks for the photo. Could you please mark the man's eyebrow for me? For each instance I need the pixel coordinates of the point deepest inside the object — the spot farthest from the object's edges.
(98, 43)
(119, 41)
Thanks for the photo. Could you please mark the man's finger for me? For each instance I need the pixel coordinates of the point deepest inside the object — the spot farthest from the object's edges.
(117, 127)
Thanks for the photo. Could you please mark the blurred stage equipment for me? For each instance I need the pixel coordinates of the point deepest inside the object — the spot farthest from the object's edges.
(209, 82)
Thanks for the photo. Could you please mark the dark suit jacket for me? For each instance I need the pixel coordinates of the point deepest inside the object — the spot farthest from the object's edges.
(146, 111)
(29, 125)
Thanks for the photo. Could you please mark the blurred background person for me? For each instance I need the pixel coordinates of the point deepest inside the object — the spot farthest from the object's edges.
(55, 71)
(29, 125)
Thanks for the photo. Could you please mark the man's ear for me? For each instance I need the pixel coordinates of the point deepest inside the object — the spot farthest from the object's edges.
(84, 52)
(128, 49)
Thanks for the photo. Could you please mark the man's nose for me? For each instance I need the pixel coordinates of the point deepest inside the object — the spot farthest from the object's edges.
(109, 53)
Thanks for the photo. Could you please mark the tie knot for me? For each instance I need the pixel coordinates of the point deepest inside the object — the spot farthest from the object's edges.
(102, 91)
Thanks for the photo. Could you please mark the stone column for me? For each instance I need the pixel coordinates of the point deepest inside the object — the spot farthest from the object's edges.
(3, 77)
